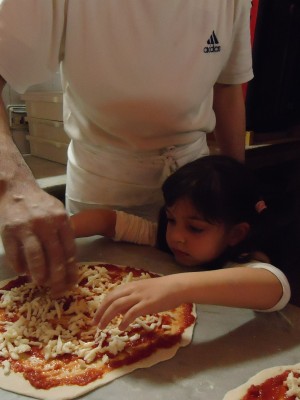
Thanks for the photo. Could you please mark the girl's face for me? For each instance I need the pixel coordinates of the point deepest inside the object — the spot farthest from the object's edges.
(192, 240)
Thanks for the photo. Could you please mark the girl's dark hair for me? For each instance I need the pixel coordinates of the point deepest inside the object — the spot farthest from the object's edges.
(224, 190)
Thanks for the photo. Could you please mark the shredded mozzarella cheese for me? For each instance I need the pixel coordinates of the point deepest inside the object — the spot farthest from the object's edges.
(64, 325)
(293, 385)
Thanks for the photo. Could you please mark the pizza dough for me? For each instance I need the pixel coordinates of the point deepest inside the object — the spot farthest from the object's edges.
(15, 381)
(239, 392)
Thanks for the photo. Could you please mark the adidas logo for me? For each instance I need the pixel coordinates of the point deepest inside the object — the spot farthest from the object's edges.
(213, 44)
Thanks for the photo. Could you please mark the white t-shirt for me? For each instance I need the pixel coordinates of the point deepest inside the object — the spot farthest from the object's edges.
(138, 81)
(134, 229)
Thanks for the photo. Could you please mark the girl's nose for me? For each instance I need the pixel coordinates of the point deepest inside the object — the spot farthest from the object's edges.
(177, 237)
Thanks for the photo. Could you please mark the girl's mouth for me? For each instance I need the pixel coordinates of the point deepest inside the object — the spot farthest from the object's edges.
(179, 253)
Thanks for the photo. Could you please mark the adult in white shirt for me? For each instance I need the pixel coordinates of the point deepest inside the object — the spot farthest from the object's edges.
(143, 81)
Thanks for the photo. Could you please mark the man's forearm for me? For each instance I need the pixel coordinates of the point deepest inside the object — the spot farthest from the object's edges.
(13, 169)
(230, 120)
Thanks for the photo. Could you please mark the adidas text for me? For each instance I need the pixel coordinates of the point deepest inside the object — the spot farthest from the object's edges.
(212, 49)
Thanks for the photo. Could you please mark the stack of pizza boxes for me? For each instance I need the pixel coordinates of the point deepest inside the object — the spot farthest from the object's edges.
(47, 137)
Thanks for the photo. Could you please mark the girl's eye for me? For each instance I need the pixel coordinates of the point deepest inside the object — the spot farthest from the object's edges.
(195, 229)
(170, 220)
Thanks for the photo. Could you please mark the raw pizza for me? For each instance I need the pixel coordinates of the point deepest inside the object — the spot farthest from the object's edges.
(276, 383)
(50, 349)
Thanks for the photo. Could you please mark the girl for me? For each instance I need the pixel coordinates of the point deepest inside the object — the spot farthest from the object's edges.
(213, 218)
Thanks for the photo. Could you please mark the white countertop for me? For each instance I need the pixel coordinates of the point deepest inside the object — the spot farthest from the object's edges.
(229, 345)
(51, 182)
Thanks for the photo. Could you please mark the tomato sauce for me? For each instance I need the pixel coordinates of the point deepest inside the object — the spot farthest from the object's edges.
(19, 281)
(67, 370)
(272, 389)
(147, 344)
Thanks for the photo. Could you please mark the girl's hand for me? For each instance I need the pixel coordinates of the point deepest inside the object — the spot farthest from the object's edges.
(139, 298)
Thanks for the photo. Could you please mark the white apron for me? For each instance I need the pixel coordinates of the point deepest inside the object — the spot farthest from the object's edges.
(123, 180)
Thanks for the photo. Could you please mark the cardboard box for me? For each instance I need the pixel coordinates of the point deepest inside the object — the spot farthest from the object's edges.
(47, 105)
(48, 129)
(48, 149)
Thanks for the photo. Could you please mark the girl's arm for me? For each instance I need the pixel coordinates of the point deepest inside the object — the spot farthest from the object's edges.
(114, 224)
(94, 222)
(243, 287)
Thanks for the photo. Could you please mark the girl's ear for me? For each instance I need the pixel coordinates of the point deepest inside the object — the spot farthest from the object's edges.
(238, 233)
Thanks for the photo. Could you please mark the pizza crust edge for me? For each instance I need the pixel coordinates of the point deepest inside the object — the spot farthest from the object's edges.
(257, 379)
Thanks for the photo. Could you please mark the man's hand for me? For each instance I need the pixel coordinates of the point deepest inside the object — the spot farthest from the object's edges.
(34, 226)
(37, 237)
